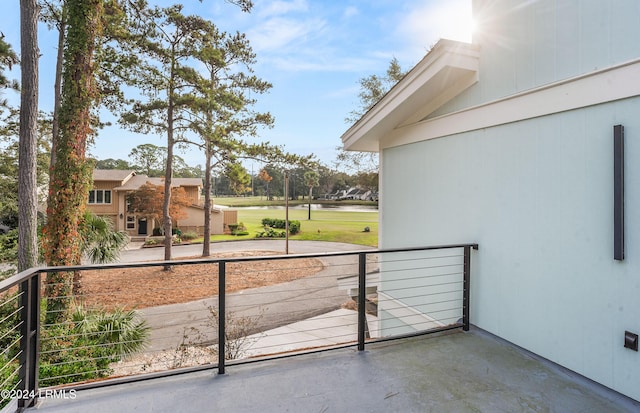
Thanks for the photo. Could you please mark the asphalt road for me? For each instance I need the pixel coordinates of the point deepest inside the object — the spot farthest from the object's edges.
(266, 307)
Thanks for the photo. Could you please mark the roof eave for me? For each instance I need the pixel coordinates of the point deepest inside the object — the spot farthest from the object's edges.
(447, 70)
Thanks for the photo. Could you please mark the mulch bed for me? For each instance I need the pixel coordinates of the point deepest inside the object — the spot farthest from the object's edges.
(152, 286)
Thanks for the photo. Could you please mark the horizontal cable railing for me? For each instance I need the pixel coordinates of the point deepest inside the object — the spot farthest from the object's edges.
(83, 325)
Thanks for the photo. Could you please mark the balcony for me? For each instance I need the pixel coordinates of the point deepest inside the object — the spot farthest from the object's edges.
(300, 344)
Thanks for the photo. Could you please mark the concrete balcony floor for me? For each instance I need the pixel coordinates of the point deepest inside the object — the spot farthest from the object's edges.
(455, 372)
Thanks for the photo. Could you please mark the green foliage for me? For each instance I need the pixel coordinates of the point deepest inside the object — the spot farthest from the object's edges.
(111, 163)
(8, 58)
(294, 226)
(82, 347)
(374, 87)
(271, 233)
(9, 149)
(238, 229)
(77, 349)
(148, 159)
(311, 179)
(9, 324)
(100, 242)
(9, 342)
(121, 332)
(188, 236)
(240, 180)
(71, 172)
(9, 247)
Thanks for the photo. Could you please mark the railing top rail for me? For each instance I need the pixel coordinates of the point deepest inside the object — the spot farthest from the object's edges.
(18, 278)
(24, 275)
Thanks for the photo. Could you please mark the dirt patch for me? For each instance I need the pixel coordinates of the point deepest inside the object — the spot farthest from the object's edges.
(152, 286)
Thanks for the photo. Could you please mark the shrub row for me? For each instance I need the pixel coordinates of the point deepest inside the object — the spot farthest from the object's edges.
(294, 226)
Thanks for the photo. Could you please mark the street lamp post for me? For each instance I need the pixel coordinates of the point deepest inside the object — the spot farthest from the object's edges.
(286, 213)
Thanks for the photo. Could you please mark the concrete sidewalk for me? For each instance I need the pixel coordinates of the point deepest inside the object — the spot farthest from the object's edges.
(330, 329)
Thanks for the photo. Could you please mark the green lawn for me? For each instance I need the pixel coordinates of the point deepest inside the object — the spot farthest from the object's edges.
(338, 226)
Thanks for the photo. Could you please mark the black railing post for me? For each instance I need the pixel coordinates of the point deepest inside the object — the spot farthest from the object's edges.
(29, 342)
(362, 298)
(221, 315)
(466, 288)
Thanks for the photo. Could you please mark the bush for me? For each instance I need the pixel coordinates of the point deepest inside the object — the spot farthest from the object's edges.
(238, 229)
(271, 233)
(157, 231)
(188, 236)
(294, 226)
(83, 347)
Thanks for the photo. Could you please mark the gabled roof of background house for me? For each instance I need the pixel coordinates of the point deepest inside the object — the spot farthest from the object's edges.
(137, 181)
(446, 71)
(112, 174)
(129, 180)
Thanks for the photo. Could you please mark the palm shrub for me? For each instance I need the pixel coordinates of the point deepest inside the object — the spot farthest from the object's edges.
(123, 332)
(100, 242)
(84, 347)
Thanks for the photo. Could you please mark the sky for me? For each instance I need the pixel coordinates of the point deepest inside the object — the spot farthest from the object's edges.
(312, 51)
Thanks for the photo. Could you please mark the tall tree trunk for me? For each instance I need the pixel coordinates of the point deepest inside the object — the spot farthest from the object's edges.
(206, 245)
(310, 194)
(70, 176)
(57, 86)
(27, 183)
(168, 176)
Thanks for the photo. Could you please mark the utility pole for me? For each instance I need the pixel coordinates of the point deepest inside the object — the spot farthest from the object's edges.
(286, 213)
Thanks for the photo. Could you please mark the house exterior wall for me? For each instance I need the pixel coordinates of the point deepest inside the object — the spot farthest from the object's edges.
(194, 222)
(536, 193)
(526, 46)
(112, 209)
(537, 196)
(137, 225)
(193, 194)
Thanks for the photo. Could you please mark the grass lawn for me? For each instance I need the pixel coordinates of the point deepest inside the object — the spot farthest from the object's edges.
(338, 226)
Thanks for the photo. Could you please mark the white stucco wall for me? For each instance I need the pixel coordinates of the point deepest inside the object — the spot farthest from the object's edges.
(537, 195)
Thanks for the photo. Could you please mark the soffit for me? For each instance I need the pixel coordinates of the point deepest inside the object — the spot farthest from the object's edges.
(447, 70)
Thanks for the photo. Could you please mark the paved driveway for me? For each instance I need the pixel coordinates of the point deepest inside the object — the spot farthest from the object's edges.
(274, 305)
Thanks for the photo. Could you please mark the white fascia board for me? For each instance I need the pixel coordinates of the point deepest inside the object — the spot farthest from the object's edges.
(448, 69)
(602, 86)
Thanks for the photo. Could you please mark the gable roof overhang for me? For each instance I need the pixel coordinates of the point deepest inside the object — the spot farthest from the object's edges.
(446, 71)
(118, 175)
(137, 181)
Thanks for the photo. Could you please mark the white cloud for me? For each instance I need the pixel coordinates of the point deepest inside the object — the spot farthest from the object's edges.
(279, 7)
(320, 61)
(278, 33)
(350, 11)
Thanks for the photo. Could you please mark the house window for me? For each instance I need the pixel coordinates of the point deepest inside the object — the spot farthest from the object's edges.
(100, 196)
(131, 222)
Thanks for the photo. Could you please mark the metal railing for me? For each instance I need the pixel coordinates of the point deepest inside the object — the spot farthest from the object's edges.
(129, 322)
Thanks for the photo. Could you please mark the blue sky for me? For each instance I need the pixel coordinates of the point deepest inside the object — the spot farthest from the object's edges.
(312, 51)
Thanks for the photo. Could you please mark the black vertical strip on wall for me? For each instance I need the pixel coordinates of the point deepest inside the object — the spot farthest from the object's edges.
(618, 192)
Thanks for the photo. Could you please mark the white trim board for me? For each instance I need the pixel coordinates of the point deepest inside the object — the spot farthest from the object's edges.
(606, 85)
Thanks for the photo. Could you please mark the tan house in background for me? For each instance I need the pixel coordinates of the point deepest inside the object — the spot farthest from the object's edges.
(108, 198)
